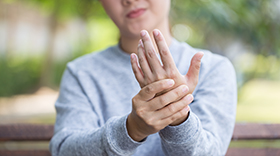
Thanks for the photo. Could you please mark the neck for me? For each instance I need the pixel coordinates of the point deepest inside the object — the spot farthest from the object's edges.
(129, 45)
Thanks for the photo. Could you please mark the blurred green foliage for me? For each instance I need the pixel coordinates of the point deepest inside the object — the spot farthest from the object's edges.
(66, 9)
(23, 75)
(18, 76)
(254, 22)
(261, 67)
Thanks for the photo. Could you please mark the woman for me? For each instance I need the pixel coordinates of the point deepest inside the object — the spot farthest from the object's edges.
(103, 110)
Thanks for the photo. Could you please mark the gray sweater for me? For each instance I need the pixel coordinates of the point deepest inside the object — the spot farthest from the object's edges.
(95, 99)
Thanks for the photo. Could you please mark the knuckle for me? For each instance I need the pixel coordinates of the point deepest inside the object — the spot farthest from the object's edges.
(159, 76)
(134, 100)
(178, 91)
(163, 100)
(164, 52)
(171, 108)
(196, 65)
(172, 74)
(141, 59)
(173, 118)
(150, 122)
(149, 89)
(150, 53)
(134, 70)
(140, 112)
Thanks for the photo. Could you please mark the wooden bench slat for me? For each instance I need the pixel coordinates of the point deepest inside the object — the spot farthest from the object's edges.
(253, 152)
(25, 153)
(26, 132)
(250, 131)
(242, 131)
(31, 132)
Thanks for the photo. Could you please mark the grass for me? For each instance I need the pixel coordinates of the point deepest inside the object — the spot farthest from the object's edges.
(255, 144)
(24, 145)
(259, 101)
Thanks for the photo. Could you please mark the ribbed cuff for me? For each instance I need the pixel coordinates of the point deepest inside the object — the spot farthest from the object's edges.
(119, 138)
(182, 133)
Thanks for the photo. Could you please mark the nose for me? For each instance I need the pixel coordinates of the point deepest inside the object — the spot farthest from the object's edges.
(127, 2)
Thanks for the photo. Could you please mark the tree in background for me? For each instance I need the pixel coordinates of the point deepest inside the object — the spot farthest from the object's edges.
(60, 10)
(255, 22)
(214, 23)
(217, 24)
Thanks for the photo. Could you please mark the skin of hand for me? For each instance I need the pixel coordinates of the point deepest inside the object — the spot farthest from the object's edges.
(150, 114)
(149, 69)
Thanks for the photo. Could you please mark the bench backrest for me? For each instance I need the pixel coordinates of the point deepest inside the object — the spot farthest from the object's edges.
(254, 131)
(246, 131)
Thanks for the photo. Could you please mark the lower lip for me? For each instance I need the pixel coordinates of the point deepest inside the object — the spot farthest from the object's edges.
(136, 14)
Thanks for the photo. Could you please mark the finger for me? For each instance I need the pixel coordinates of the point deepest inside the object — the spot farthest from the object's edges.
(136, 69)
(193, 73)
(166, 57)
(183, 112)
(143, 61)
(169, 97)
(151, 53)
(149, 91)
(175, 107)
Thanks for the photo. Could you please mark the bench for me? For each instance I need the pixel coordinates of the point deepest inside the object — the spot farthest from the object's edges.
(36, 133)
(254, 131)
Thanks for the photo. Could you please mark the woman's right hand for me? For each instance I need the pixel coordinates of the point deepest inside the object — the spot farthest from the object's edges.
(150, 114)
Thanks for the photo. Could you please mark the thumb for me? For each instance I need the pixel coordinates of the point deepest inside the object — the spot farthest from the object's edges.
(193, 73)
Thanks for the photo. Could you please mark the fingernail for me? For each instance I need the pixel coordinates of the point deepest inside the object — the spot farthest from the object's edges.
(132, 56)
(170, 82)
(185, 89)
(189, 97)
(187, 109)
(156, 33)
(143, 33)
(139, 43)
(201, 55)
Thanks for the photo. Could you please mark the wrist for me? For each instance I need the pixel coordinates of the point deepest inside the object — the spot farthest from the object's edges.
(180, 121)
(133, 131)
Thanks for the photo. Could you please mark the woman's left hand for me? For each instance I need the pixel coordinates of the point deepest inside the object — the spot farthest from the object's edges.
(151, 70)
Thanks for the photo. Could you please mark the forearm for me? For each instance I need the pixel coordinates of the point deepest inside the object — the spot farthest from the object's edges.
(110, 139)
(190, 138)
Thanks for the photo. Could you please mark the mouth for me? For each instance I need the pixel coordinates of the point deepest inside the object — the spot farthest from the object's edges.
(136, 13)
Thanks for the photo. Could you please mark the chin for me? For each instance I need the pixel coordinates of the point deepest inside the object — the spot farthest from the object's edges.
(135, 34)
(133, 31)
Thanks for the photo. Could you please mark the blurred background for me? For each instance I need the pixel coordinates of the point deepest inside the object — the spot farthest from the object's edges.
(38, 38)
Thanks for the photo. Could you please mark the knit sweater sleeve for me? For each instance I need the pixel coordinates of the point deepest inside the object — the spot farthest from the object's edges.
(209, 127)
(78, 130)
